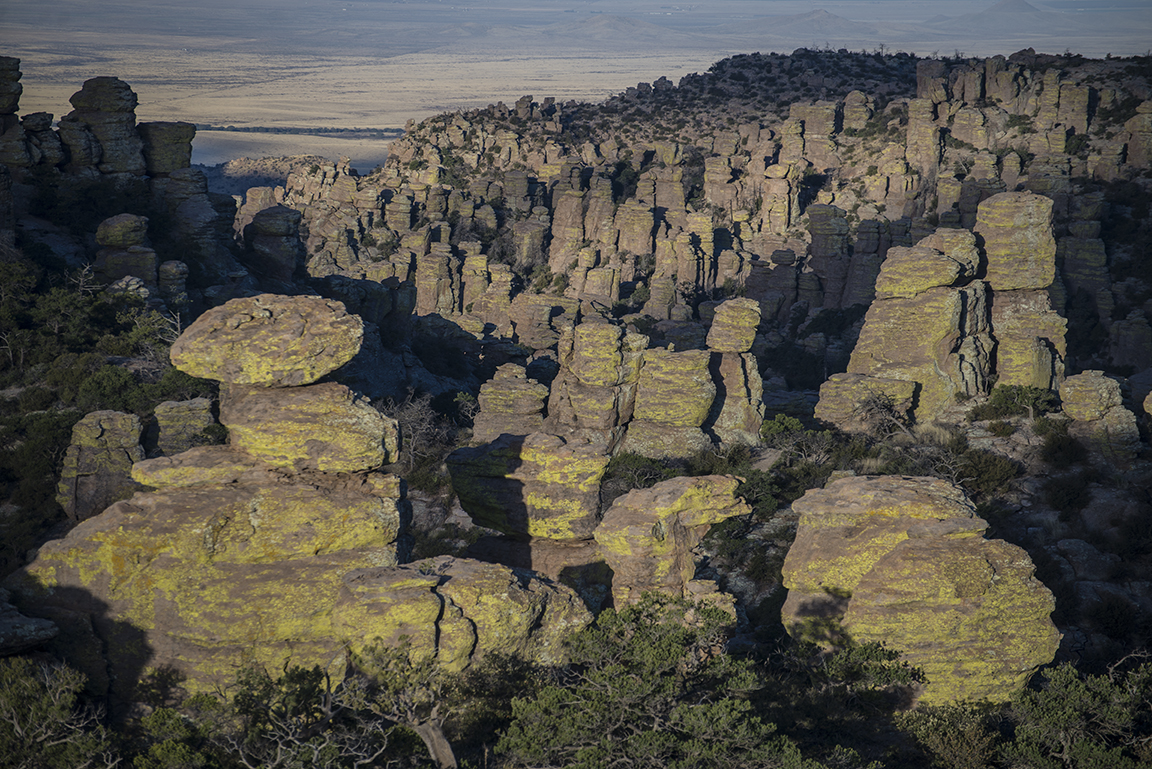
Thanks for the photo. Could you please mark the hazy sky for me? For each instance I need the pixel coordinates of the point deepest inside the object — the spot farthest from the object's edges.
(378, 63)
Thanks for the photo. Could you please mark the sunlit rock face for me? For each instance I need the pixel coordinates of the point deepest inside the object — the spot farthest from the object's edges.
(903, 561)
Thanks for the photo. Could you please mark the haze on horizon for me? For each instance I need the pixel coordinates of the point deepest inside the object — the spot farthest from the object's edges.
(380, 63)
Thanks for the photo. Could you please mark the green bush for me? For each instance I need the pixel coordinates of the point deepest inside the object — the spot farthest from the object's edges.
(1068, 493)
(985, 472)
(958, 735)
(1061, 450)
(1014, 401)
(1001, 429)
(1083, 721)
(43, 723)
(645, 688)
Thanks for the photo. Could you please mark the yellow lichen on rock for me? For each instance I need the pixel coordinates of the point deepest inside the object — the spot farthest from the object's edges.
(647, 536)
(323, 426)
(902, 561)
(269, 341)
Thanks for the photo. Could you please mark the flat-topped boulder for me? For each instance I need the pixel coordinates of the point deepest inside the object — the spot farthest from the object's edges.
(269, 341)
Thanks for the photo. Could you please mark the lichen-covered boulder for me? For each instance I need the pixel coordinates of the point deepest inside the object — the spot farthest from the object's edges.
(1018, 241)
(734, 326)
(1088, 396)
(122, 231)
(674, 397)
(458, 610)
(969, 612)
(647, 535)
(207, 577)
(907, 272)
(324, 427)
(202, 465)
(98, 463)
(180, 425)
(938, 338)
(269, 340)
(1094, 402)
(902, 561)
(540, 485)
(510, 403)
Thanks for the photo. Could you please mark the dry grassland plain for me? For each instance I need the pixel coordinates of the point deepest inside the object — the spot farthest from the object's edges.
(380, 63)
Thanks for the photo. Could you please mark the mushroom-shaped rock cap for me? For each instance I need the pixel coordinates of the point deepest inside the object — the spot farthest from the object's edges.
(104, 94)
(122, 231)
(269, 341)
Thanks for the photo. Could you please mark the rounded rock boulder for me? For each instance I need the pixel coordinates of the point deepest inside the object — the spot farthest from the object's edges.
(269, 341)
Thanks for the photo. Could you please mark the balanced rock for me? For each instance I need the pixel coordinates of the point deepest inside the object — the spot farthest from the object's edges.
(734, 326)
(902, 561)
(648, 535)
(106, 106)
(324, 427)
(98, 463)
(269, 340)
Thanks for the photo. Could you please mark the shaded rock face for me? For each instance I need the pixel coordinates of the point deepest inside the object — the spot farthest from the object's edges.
(126, 251)
(269, 341)
(106, 108)
(19, 633)
(98, 463)
(180, 425)
(647, 536)
(902, 561)
(167, 146)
